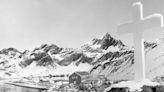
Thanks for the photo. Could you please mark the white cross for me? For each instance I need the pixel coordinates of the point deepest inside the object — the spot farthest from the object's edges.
(137, 27)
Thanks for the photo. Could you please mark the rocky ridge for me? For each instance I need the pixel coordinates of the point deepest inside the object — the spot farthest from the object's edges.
(107, 56)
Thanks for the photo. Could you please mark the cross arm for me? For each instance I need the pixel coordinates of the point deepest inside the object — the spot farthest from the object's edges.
(155, 20)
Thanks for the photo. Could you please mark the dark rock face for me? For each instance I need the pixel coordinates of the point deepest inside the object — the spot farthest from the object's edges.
(112, 63)
(40, 55)
(113, 55)
(6, 51)
(87, 48)
(41, 59)
(150, 45)
(119, 90)
(152, 89)
(158, 88)
(26, 62)
(75, 57)
(53, 49)
(96, 41)
(107, 41)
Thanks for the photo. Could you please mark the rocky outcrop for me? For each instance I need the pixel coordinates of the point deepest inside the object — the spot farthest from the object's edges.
(53, 49)
(76, 58)
(119, 90)
(158, 88)
(11, 51)
(116, 66)
(107, 41)
(41, 55)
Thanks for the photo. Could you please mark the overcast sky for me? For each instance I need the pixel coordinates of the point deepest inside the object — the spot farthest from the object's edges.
(25, 24)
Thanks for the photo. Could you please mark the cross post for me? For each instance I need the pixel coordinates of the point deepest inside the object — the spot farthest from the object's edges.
(137, 27)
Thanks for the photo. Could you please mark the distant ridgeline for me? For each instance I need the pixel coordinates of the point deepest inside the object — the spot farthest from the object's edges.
(106, 56)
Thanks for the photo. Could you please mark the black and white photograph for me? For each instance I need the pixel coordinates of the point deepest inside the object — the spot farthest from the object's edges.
(81, 45)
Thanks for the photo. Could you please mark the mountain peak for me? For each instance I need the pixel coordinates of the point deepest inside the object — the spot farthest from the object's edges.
(7, 50)
(107, 36)
(107, 41)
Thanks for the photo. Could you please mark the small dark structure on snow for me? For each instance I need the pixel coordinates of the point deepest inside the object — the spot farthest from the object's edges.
(77, 77)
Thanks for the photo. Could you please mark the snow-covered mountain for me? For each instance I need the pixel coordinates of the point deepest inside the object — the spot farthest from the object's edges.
(107, 56)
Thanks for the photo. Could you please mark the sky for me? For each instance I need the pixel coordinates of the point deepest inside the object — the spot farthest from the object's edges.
(26, 24)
